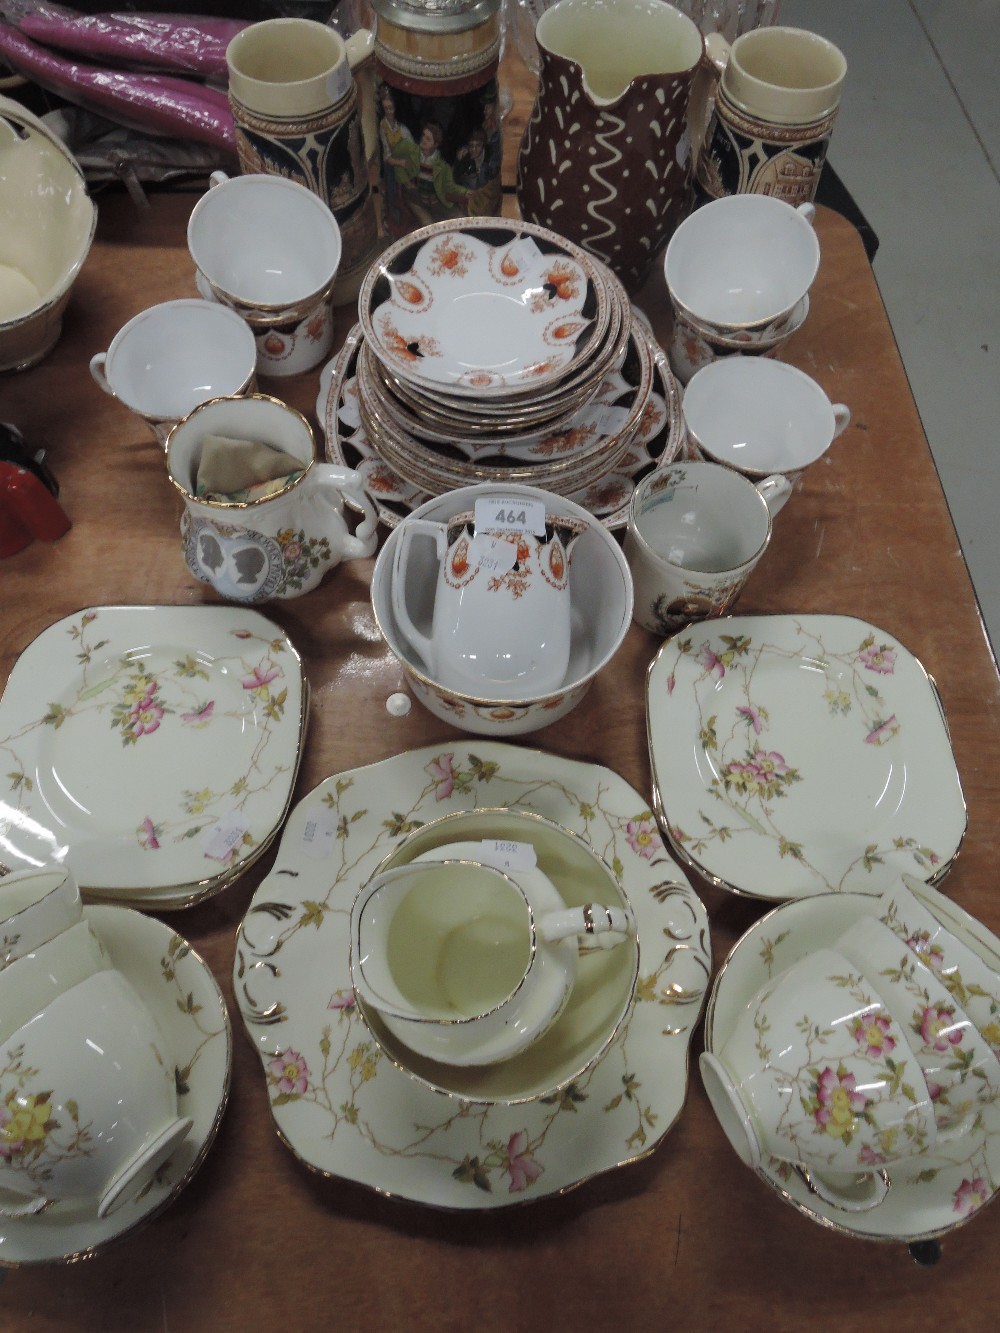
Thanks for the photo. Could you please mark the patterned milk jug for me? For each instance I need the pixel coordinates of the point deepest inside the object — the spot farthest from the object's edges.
(606, 155)
(437, 105)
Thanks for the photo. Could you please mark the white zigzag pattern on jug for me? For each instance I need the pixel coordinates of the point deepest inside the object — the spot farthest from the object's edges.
(593, 208)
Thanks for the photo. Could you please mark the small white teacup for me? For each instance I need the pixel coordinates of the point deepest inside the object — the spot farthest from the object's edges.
(818, 1073)
(960, 1069)
(502, 600)
(760, 417)
(742, 262)
(88, 1101)
(696, 532)
(281, 542)
(35, 905)
(269, 249)
(172, 357)
(464, 963)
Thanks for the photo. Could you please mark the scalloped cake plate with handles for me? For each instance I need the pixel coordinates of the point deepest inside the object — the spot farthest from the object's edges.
(190, 1011)
(153, 748)
(928, 1196)
(345, 1108)
(797, 755)
(657, 442)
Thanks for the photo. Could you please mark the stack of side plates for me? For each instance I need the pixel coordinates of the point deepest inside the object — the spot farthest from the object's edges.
(493, 350)
(485, 336)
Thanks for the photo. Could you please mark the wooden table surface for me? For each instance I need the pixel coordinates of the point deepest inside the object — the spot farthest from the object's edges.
(687, 1238)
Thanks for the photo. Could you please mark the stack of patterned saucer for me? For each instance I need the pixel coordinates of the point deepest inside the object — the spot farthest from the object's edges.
(486, 343)
(492, 350)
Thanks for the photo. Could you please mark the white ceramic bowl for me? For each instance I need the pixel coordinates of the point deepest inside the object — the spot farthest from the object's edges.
(604, 991)
(601, 593)
(47, 224)
(742, 262)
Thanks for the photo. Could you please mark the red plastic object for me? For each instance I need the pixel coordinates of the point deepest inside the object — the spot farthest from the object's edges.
(27, 510)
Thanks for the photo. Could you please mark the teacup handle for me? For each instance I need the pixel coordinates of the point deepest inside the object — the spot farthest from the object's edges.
(344, 481)
(870, 1189)
(217, 178)
(97, 370)
(775, 490)
(808, 211)
(25, 1207)
(359, 46)
(410, 528)
(593, 923)
(841, 418)
(714, 59)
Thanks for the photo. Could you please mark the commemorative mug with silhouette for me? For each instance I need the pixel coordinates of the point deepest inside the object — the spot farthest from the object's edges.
(262, 518)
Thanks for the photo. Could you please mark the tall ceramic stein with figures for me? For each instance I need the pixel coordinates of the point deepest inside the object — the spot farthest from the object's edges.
(437, 104)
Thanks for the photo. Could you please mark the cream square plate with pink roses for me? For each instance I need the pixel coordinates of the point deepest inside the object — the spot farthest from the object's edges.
(152, 748)
(797, 755)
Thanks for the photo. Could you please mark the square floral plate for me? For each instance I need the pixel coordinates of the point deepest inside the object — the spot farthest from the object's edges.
(188, 1006)
(152, 748)
(795, 755)
(928, 1196)
(343, 1106)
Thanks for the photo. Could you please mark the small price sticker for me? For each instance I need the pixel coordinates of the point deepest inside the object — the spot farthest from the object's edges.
(349, 413)
(510, 514)
(222, 837)
(610, 419)
(493, 555)
(320, 834)
(506, 854)
(524, 254)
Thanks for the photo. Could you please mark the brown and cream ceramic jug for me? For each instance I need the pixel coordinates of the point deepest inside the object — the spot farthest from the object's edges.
(606, 155)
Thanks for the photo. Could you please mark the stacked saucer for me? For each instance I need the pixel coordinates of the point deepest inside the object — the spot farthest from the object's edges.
(495, 350)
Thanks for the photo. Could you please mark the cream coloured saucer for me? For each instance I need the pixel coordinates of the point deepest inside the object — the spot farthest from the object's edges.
(927, 1196)
(189, 1008)
(347, 1110)
(795, 755)
(153, 748)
